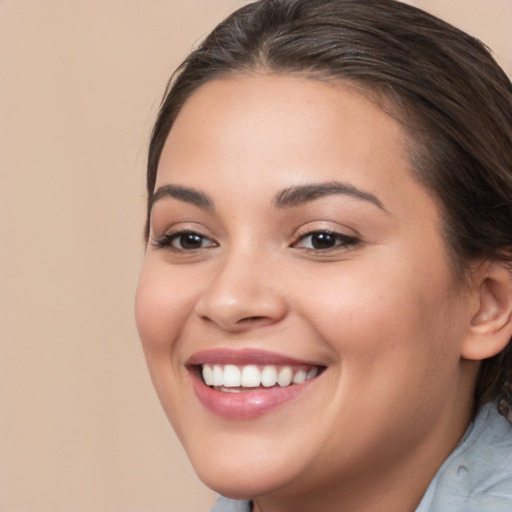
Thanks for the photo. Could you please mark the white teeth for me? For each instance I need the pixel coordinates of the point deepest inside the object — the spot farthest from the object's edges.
(218, 375)
(299, 377)
(269, 376)
(231, 376)
(312, 373)
(252, 376)
(208, 374)
(285, 376)
(231, 390)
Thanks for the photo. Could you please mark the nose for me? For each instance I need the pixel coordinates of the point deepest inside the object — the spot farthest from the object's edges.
(243, 294)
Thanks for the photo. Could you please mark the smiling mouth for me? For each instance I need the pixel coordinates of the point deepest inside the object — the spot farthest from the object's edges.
(231, 378)
(246, 384)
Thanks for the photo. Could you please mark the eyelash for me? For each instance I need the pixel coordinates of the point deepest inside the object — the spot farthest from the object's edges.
(339, 240)
(167, 240)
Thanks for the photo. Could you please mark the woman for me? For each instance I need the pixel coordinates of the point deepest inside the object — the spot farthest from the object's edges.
(325, 301)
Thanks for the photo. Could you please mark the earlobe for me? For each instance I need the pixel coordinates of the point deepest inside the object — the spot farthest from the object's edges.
(491, 324)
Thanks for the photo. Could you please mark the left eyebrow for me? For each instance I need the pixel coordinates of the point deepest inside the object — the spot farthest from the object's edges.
(296, 196)
(185, 194)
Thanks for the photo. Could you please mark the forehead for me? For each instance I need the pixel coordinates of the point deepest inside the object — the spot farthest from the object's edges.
(259, 129)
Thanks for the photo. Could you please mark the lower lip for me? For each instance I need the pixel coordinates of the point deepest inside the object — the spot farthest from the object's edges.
(246, 404)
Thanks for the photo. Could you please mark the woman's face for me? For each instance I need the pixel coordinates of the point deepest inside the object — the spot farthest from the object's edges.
(289, 240)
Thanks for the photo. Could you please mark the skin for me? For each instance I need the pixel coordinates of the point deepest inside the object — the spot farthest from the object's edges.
(385, 315)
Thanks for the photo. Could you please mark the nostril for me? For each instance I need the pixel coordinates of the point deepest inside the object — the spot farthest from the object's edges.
(247, 319)
(252, 319)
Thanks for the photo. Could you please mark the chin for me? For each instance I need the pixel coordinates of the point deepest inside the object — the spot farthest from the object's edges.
(234, 484)
(244, 479)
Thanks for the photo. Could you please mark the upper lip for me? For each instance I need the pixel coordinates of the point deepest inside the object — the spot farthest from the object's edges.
(244, 357)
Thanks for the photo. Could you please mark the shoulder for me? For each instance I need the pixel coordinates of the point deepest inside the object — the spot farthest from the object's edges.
(477, 476)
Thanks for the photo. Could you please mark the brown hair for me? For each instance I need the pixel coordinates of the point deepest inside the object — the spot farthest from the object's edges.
(442, 84)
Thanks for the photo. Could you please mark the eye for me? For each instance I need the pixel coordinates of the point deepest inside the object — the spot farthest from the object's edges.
(325, 241)
(183, 241)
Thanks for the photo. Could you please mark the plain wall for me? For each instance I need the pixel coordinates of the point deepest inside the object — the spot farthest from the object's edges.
(81, 429)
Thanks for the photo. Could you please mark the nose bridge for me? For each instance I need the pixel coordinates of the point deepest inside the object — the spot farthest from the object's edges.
(243, 292)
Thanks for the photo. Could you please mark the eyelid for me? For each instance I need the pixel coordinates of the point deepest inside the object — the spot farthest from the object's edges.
(165, 240)
(344, 241)
(169, 217)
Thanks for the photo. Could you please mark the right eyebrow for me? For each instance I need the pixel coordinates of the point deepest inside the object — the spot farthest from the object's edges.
(185, 194)
(295, 196)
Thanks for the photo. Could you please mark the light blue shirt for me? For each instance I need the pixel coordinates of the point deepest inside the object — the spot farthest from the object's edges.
(476, 477)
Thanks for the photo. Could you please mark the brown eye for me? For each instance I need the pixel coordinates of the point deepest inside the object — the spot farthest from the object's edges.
(188, 241)
(184, 241)
(325, 240)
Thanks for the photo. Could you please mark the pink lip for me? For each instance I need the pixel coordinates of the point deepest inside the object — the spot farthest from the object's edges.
(247, 404)
(243, 357)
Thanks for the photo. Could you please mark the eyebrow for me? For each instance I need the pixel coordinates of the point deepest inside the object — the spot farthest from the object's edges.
(185, 194)
(286, 198)
(295, 196)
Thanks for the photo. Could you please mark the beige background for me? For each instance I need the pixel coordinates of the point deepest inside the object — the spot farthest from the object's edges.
(80, 81)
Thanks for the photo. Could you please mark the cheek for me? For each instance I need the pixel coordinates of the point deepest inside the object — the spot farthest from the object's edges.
(388, 310)
(162, 303)
(390, 335)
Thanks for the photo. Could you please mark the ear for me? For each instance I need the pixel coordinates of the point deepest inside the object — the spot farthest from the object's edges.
(491, 324)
